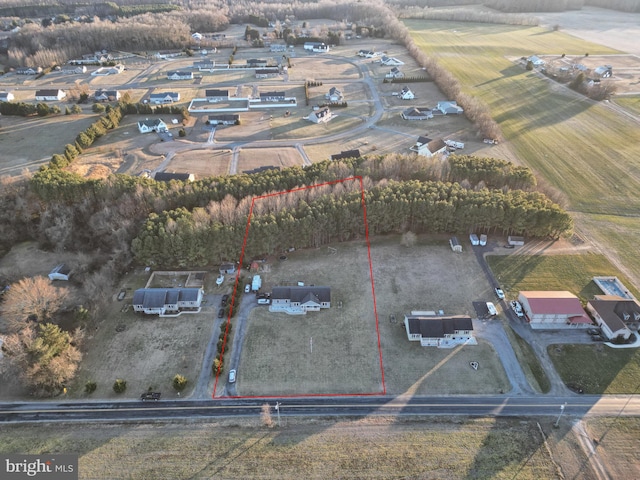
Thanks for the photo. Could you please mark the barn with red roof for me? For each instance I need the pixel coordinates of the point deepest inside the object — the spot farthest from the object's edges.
(553, 310)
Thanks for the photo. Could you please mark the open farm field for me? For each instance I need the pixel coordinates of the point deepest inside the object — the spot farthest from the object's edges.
(202, 163)
(23, 149)
(631, 102)
(252, 158)
(554, 272)
(373, 447)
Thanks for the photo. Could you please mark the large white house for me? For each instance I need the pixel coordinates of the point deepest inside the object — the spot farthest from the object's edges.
(155, 125)
(180, 75)
(161, 301)
(6, 97)
(300, 300)
(322, 115)
(164, 97)
(440, 331)
(428, 147)
(612, 314)
(50, 95)
(406, 94)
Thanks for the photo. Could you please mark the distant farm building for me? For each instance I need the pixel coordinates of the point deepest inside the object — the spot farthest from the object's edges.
(406, 94)
(6, 97)
(515, 241)
(449, 107)
(316, 47)
(164, 97)
(268, 72)
(155, 125)
(395, 73)
(334, 95)
(107, 95)
(179, 75)
(214, 96)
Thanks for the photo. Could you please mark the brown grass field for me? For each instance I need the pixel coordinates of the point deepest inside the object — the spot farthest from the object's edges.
(250, 158)
(202, 163)
(373, 447)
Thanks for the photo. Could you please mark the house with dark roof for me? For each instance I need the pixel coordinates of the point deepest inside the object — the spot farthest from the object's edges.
(440, 331)
(316, 47)
(272, 96)
(346, 154)
(268, 72)
(164, 97)
(204, 65)
(216, 95)
(50, 95)
(224, 119)
(322, 115)
(256, 62)
(60, 272)
(6, 97)
(334, 95)
(154, 125)
(417, 113)
(168, 176)
(613, 314)
(428, 147)
(179, 75)
(298, 300)
(107, 95)
(167, 301)
(390, 61)
(553, 309)
(449, 107)
(28, 70)
(227, 268)
(395, 73)
(406, 94)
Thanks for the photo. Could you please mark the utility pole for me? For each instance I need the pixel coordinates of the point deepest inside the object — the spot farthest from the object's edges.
(562, 407)
(278, 411)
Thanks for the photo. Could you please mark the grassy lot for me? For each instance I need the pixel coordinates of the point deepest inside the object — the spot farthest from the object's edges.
(618, 444)
(553, 272)
(631, 103)
(528, 361)
(601, 369)
(202, 163)
(250, 158)
(366, 448)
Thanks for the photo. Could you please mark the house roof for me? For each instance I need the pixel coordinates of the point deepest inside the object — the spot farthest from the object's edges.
(179, 72)
(302, 294)
(423, 140)
(216, 93)
(417, 112)
(267, 71)
(159, 297)
(225, 117)
(272, 94)
(156, 122)
(334, 91)
(436, 145)
(165, 94)
(438, 326)
(107, 93)
(168, 176)
(5, 94)
(613, 310)
(323, 112)
(556, 303)
(48, 93)
(346, 154)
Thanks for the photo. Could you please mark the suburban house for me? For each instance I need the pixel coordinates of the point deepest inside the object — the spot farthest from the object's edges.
(74, 69)
(440, 331)
(227, 268)
(612, 314)
(155, 125)
(417, 113)
(179, 75)
(50, 95)
(317, 47)
(277, 47)
(161, 301)
(395, 73)
(93, 58)
(224, 119)
(346, 154)
(168, 176)
(107, 95)
(268, 72)
(536, 61)
(272, 97)
(28, 70)
(406, 93)
(334, 95)
(215, 95)
(428, 148)
(60, 272)
(300, 300)
(553, 309)
(390, 61)
(6, 97)
(322, 115)
(449, 107)
(204, 65)
(103, 71)
(256, 62)
(164, 97)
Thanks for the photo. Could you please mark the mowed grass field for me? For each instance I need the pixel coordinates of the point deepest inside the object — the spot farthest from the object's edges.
(373, 447)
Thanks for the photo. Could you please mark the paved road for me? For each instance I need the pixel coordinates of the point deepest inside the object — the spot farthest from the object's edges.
(470, 405)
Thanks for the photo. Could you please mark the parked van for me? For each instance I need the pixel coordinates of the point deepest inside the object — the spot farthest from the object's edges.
(483, 240)
(492, 309)
(474, 239)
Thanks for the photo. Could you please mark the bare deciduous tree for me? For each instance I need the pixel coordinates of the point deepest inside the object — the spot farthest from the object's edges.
(265, 415)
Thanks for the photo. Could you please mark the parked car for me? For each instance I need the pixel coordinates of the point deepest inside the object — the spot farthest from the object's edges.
(264, 301)
(232, 376)
(225, 299)
(155, 396)
(219, 280)
(517, 308)
(247, 288)
(593, 331)
(491, 308)
(221, 313)
(499, 293)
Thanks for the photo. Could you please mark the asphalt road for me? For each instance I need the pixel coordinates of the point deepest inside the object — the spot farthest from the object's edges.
(470, 405)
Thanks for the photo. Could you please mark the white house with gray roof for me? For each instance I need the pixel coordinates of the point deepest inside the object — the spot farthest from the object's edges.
(440, 331)
(164, 301)
(298, 300)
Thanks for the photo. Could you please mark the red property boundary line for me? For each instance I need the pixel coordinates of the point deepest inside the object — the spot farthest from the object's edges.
(373, 293)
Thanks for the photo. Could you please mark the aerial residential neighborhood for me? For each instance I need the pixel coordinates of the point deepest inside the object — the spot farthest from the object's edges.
(249, 240)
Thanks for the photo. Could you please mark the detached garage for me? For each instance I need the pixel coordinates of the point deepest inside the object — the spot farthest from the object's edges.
(553, 309)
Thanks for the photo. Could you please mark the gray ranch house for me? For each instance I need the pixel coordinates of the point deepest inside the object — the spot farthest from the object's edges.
(300, 300)
(163, 301)
(440, 331)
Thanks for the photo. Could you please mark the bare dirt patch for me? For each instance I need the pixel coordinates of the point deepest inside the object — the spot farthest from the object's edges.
(252, 158)
(202, 163)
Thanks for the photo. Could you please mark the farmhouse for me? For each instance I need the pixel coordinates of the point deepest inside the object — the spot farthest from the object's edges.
(60, 272)
(179, 75)
(322, 115)
(395, 73)
(553, 309)
(224, 119)
(160, 301)
(50, 95)
(390, 61)
(6, 97)
(168, 176)
(535, 60)
(346, 154)
(317, 47)
(612, 314)
(164, 97)
(427, 147)
(300, 300)
(214, 96)
(272, 97)
(107, 95)
(156, 125)
(28, 70)
(334, 95)
(417, 113)
(204, 65)
(74, 69)
(406, 93)
(440, 331)
(449, 107)
(269, 72)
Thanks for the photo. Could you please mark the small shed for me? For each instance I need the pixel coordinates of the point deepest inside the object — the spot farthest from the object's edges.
(227, 268)
(60, 272)
(515, 241)
(455, 245)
